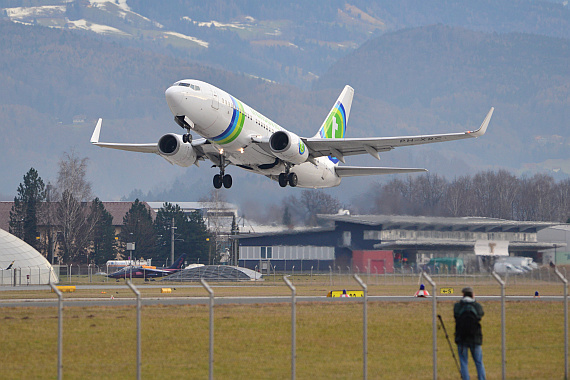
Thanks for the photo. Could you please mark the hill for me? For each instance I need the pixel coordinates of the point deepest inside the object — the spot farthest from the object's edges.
(447, 76)
(56, 83)
(421, 80)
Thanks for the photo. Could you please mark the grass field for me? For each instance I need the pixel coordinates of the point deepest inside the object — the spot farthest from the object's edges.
(253, 341)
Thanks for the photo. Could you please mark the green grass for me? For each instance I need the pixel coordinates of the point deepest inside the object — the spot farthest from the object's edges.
(253, 341)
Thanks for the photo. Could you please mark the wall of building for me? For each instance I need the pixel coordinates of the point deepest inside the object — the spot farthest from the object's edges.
(374, 262)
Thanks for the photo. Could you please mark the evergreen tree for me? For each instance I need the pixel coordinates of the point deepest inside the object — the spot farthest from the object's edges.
(198, 238)
(138, 228)
(104, 246)
(190, 234)
(163, 223)
(24, 213)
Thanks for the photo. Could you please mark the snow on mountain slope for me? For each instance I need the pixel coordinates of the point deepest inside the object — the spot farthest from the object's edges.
(97, 28)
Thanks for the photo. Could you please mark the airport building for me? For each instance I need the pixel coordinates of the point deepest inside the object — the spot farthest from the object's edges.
(21, 264)
(380, 243)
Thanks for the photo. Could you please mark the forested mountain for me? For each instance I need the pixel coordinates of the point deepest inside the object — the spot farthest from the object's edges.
(115, 59)
(291, 42)
(452, 76)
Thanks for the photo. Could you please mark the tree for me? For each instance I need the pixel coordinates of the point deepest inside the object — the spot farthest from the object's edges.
(71, 176)
(163, 226)
(25, 211)
(138, 228)
(318, 202)
(198, 236)
(287, 220)
(104, 244)
(76, 221)
(73, 212)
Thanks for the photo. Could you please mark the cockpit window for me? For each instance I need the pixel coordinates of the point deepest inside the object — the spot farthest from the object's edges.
(193, 87)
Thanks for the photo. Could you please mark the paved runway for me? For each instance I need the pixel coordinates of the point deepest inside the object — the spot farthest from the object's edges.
(91, 302)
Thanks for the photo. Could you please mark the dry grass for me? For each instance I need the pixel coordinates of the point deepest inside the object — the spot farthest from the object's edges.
(253, 341)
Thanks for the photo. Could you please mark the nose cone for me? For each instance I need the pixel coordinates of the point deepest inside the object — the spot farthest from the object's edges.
(174, 97)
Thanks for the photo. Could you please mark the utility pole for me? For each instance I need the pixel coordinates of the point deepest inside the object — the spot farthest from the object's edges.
(172, 228)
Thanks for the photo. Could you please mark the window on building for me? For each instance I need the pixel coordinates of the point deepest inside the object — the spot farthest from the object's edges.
(266, 252)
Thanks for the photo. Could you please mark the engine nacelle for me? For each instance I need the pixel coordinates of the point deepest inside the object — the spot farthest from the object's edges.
(175, 151)
(289, 147)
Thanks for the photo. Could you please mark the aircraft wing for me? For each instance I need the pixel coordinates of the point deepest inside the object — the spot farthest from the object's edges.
(353, 171)
(352, 146)
(200, 145)
(155, 271)
(143, 148)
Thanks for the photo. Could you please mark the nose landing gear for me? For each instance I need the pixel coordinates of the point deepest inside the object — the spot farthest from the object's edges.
(181, 121)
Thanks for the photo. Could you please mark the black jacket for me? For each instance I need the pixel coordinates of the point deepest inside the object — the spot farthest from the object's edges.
(478, 338)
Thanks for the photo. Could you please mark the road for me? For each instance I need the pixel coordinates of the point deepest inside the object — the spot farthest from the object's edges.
(91, 302)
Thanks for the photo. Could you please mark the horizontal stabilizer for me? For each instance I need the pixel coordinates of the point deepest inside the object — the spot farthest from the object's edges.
(353, 171)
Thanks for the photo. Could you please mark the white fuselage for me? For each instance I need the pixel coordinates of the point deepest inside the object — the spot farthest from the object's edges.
(232, 126)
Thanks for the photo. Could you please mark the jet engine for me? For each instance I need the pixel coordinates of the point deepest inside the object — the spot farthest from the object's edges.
(171, 147)
(289, 147)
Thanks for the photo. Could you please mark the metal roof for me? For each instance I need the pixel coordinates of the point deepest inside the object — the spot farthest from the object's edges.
(299, 231)
(418, 223)
(437, 244)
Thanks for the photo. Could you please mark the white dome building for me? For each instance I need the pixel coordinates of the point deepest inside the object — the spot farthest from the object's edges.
(29, 266)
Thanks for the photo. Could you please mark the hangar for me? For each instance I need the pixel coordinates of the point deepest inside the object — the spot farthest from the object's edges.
(29, 266)
(379, 243)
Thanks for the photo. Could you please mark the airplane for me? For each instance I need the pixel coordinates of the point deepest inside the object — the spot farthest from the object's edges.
(235, 134)
(146, 271)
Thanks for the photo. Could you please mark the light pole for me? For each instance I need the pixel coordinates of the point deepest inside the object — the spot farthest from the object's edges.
(172, 228)
(131, 248)
(209, 249)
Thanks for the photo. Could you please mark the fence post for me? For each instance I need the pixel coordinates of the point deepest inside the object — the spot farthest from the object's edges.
(211, 355)
(565, 282)
(503, 327)
(59, 330)
(293, 325)
(138, 294)
(434, 323)
(364, 328)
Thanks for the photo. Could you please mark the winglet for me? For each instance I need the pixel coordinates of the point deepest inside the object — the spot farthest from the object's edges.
(483, 128)
(96, 132)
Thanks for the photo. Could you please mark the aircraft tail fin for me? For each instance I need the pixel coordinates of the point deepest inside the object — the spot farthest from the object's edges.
(334, 125)
(178, 263)
(10, 266)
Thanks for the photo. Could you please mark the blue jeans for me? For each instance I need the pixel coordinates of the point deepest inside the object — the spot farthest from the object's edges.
(477, 354)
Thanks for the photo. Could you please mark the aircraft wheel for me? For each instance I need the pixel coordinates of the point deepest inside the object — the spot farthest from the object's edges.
(227, 180)
(185, 138)
(292, 179)
(217, 181)
(283, 180)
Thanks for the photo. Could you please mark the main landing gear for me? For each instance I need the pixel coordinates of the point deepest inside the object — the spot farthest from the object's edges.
(222, 178)
(287, 179)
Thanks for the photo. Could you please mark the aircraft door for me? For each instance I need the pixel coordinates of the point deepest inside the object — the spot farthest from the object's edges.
(215, 100)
